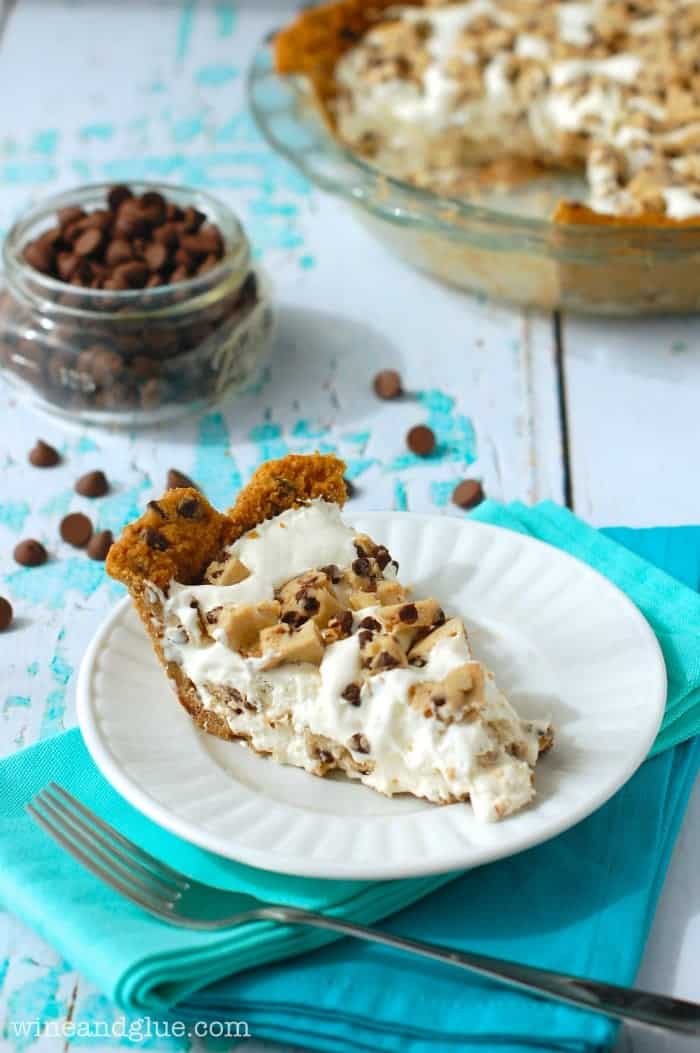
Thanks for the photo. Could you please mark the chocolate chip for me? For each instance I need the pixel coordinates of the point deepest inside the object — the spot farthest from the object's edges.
(370, 623)
(468, 494)
(332, 572)
(350, 488)
(438, 700)
(345, 621)
(92, 484)
(382, 556)
(30, 553)
(212, 617)
(387, 384)
(408, 613)
(70, 214)
(359, 743)
(117, 195)
(178, 479)
(76, 529)
(365, 637)
(43, 456)
(153, 506)
(188, 508)
(134, 273)
(310, 605)
(325, 756)
(100, 544)
(89, 243)
(5, 614)
(351, 694)
(386, 661)
(293, 618)
(421, 440)
(361, 567)
(154, 539)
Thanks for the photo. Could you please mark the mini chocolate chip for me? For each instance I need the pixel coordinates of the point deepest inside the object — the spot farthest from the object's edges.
(386, 661)
(382, 556)
(359, 743)
(43, 456)
(30, 553)
(212, 616)
(188, 508)
(350, 488)
(293, 619)
(351, 694)
(468, 494)
(345, 621)
(177, 479)
(408, 613)
(310, 604)
(92, 484)
(361, 567)
(370, 623)
(365, 637)
(154, 539)
(387, 384)
(153, 506)
(100, 544)
(76, 529)
(421, 440)
(332, 572)
(5, 614)
(439, 700)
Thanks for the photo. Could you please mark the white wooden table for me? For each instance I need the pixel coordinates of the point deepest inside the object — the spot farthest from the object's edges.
(598, 414)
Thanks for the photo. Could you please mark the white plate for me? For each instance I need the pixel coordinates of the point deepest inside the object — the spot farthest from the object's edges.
(561, 639)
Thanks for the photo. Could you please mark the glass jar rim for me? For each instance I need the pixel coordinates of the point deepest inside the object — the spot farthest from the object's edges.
(236, 258)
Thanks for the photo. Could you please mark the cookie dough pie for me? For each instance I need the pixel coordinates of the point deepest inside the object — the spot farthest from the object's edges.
(282, 627)
(452, 95)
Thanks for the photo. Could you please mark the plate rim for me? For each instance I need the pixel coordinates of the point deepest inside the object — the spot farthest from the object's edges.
(225, 848)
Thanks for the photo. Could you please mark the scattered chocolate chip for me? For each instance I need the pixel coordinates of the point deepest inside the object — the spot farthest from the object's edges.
(76, 529)
(178, 479)
(370, 623)
(212, 617)
(188, 508)
(293, 618)
(359, 743)
(350, 488)
(351, 694)
(310, 605)
(438, 700)
(30, 553)
(5, 614)
(92, 484)
(387, 384)
(361, 567)
(386, 661)
(345, 621)
(100, 544)
(153, 506)
(332, 572)
(43, 456)
(365, 637)
(468, 494)
(408, 613)
(421, 440)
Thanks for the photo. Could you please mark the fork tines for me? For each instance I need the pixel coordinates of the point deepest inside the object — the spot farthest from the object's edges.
(109, 855)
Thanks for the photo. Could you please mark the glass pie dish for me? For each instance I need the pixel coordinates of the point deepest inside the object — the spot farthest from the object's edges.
(502, 244)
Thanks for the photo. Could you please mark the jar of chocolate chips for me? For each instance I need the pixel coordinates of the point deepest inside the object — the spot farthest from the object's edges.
(131, 304)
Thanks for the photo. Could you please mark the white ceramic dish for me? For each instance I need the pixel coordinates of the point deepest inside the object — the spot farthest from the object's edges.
(561, 639)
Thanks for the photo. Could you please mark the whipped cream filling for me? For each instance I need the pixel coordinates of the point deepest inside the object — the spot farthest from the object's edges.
(561, 106)
(296, 707)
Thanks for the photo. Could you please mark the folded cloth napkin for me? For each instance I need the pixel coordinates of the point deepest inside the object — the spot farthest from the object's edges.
(583, 902)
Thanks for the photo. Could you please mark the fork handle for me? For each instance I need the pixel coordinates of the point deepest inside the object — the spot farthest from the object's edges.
(622, 1003)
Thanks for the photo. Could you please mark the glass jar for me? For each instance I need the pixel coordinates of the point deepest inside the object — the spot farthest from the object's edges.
(138, 356)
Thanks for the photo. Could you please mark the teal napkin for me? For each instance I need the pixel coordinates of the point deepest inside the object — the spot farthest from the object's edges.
(582, 902)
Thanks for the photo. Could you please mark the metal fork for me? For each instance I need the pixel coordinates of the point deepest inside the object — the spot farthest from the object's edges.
(178, 900)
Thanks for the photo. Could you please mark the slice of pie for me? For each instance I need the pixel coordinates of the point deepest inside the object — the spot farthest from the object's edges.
(454, 94)
(283, 627)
